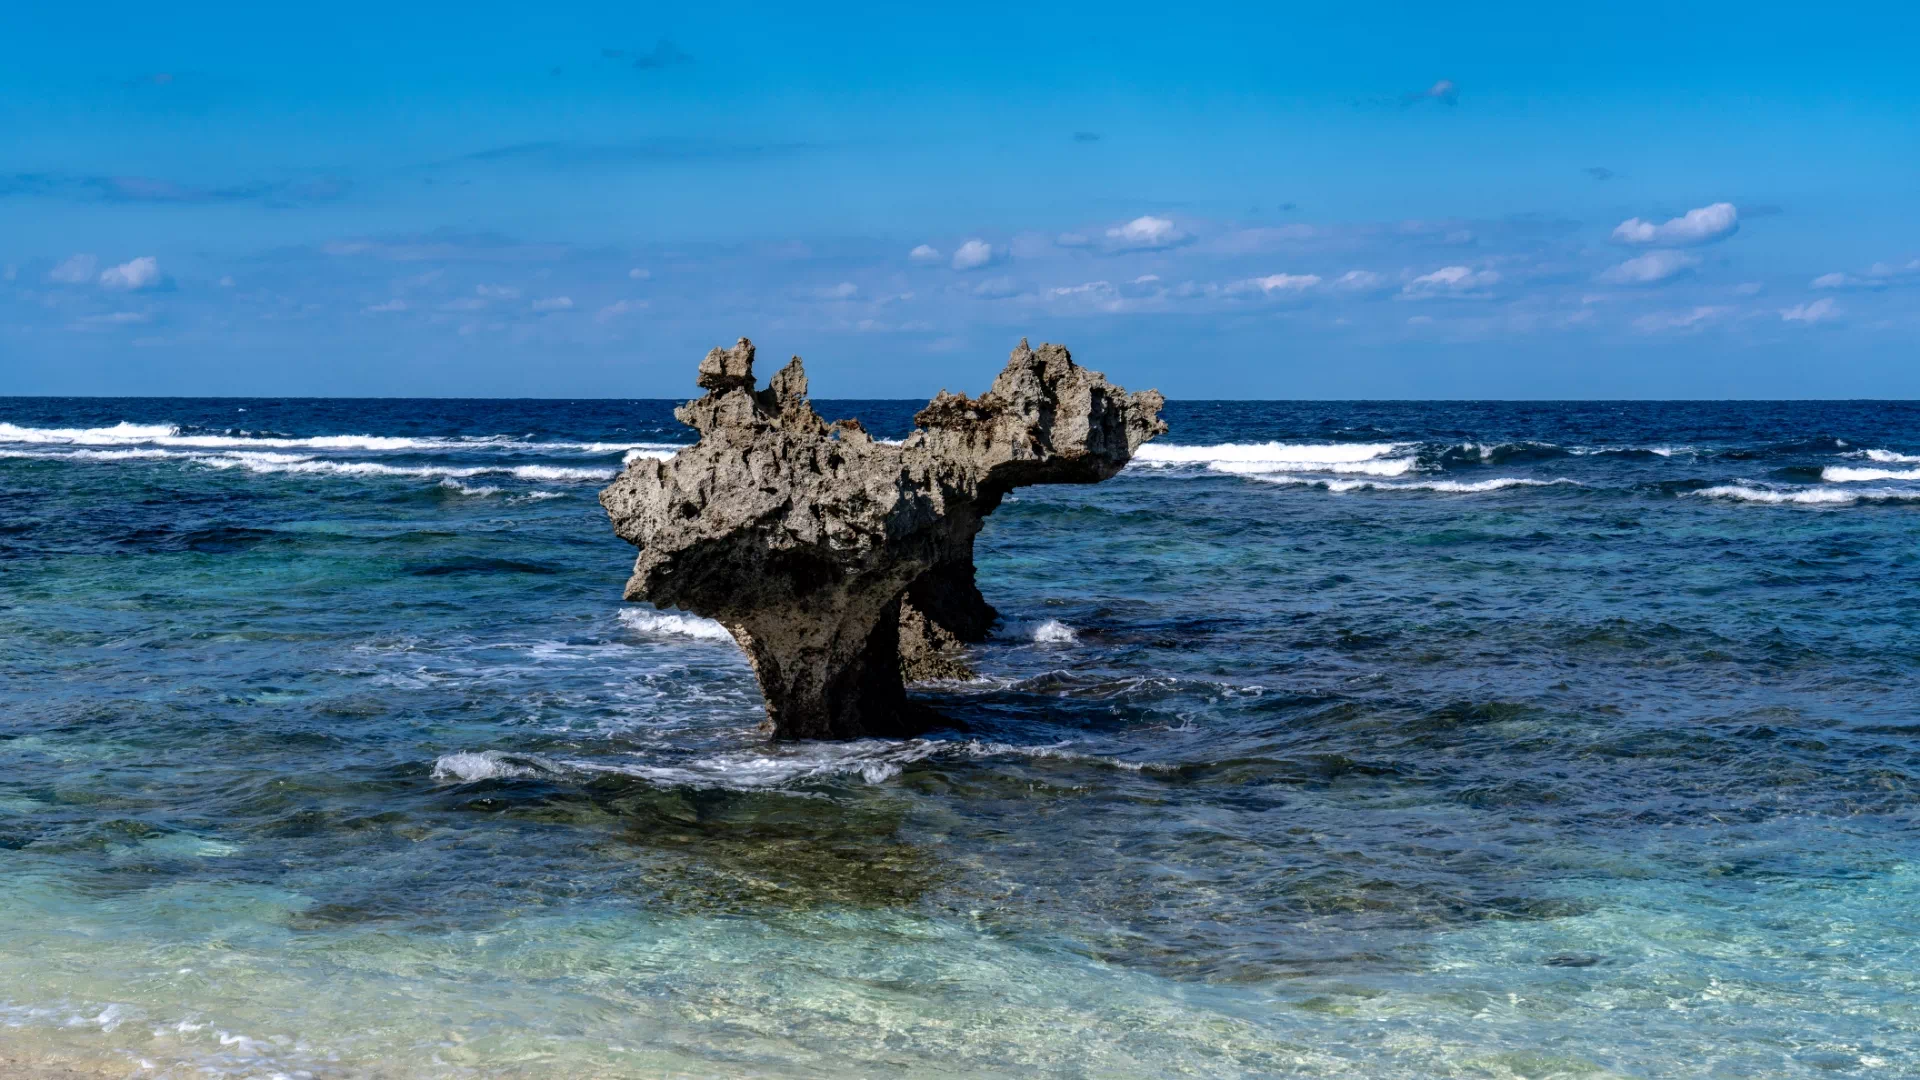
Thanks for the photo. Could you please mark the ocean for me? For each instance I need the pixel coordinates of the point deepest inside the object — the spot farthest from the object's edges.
(1362, 739)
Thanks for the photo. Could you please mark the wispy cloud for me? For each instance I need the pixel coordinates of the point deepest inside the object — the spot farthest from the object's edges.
(445, 245)
(1878, 276)
(74, 270)
(1452, 281)
(1650, 269)
(924, 253)
(1681, 320)
(1820, 310)
(659, 150)
(1276, 283)
(1702, 226)
(1443, 92)
(619, 308)
(103, 188)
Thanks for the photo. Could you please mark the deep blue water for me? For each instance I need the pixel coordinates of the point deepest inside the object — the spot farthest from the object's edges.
(1360, 739)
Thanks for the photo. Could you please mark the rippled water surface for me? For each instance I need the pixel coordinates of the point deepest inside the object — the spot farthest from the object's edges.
(1368, 740)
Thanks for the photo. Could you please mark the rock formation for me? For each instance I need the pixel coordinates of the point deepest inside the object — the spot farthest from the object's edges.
(843, 565)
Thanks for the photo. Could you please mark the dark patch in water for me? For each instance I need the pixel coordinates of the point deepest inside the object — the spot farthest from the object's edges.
(469, 564)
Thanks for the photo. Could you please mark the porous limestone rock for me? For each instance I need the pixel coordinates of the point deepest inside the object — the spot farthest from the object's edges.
(842, 565)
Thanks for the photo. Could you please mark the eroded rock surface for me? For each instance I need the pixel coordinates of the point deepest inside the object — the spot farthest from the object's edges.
(842, 565)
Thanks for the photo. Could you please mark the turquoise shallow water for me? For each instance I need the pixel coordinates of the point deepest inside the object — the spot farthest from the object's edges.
(1371, 740)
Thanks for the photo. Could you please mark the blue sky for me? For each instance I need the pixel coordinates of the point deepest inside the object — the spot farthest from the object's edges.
(1492, 200)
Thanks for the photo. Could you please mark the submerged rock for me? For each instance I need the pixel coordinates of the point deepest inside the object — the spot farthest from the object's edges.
(843, 566)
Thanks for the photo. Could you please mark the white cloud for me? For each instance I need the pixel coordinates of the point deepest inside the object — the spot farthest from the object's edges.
(1145, 233)
(1748, 288)
(1359, 281)
(498, 292)
(1654, 266)
(140, 273)
(1878, 276)
(226, 281)
(1701, 226)
(1680, 320)
(1089, 288)
(972, 255)
(618, 308)
(395, 304)
(1818, 311)
(118, 318)
(74, 270)
(639, 273)
(1451, 281)
(925, 253)
(998, 288)
(554, 303)
(1276, 283)
(846, 290)
(1144, 279)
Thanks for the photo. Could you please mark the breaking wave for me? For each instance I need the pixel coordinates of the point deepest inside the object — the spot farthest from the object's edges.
(649, 621)
(167, 435)
(1458, 487)
(1040, 632)
(1841, 474)
(1813, 496)
(1372, 459)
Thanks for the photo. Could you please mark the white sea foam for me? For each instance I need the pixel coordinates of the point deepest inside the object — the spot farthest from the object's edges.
(1382, 467)
(466, 767)
(126, 434)
(455, 485)
(872, 761)
(1888, 457)
(536, 496)
(118, 433)
(265, 462)
(1812, 496)
(1038, 631)
(649, 621)
(1841, 474)
(648, 454)
(1372, 459)
(1455, 487)
(555, 472)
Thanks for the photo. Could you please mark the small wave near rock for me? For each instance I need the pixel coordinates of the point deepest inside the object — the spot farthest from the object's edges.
(648, 621)
(1038, 631)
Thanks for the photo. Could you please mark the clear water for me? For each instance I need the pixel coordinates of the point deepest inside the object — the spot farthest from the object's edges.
(1436, 740)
